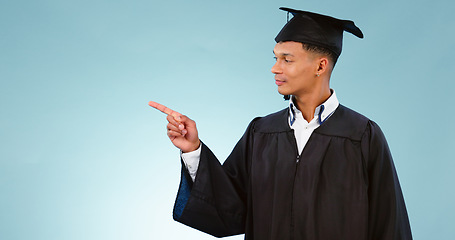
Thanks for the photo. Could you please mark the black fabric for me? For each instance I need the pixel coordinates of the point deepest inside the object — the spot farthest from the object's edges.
(342, 186)
(317, 29)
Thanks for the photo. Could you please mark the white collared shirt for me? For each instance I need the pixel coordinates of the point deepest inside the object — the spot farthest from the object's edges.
(302, 129)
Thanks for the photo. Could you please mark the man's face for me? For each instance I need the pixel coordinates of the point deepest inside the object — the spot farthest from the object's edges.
(295, 69)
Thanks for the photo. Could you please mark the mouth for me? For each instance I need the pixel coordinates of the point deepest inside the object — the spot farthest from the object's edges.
(279, 82)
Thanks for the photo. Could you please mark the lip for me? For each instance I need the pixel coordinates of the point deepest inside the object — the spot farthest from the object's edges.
(278, 82)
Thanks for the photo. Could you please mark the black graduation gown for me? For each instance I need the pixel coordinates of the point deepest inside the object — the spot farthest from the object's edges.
(342, 186)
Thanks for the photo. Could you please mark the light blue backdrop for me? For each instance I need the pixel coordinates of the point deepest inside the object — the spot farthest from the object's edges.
(82, 156)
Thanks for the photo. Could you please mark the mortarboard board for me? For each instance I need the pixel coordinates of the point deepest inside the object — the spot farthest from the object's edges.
(316, 29)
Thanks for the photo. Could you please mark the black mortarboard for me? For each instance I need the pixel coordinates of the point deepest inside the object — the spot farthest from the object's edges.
(316, 29)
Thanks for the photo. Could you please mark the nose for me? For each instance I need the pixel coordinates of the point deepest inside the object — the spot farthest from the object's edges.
(275, 68)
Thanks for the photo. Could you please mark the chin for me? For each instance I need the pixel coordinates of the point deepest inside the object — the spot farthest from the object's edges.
(284, 92)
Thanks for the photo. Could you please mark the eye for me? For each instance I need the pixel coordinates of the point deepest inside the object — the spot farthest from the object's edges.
(287, 60)
(275, 58)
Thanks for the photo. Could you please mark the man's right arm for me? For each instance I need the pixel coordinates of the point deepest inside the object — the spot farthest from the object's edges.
(182, 132)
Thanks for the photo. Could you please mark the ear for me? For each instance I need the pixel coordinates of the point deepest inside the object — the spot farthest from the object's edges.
(323, 66)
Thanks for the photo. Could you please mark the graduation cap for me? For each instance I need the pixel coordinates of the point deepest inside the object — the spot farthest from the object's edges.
(316, 29)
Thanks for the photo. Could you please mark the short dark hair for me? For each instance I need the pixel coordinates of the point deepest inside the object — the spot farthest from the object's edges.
(321, 50)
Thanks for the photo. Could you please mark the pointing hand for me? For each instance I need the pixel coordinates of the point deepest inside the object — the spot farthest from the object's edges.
(181, 130)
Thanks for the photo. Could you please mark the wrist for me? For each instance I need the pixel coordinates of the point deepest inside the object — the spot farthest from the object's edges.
(193, 148)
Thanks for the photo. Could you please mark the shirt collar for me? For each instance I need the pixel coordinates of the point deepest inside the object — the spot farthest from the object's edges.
(323, 111)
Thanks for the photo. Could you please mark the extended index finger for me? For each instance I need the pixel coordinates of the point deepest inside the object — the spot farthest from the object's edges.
(164, 109)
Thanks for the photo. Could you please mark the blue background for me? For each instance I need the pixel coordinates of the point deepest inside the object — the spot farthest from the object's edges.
(83, 156)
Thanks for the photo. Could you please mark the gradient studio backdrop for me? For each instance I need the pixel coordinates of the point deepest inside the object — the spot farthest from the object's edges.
(83, 156)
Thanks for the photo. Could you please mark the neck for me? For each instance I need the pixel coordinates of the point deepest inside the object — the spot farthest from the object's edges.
(308, 103)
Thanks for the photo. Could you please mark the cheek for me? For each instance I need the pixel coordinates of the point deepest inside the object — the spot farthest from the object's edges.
(302, 71)
(293, 72)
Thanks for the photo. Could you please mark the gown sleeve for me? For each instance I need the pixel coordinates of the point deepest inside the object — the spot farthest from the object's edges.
(387, 217)
(215, 202)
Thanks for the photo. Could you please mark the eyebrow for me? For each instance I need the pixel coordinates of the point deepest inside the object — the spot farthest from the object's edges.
(284, 54)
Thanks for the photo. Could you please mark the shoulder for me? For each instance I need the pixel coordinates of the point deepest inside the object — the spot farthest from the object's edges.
(275, 122)
(345, 122)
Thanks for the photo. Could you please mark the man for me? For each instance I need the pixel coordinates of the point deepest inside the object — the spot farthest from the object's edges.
(315, 170)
